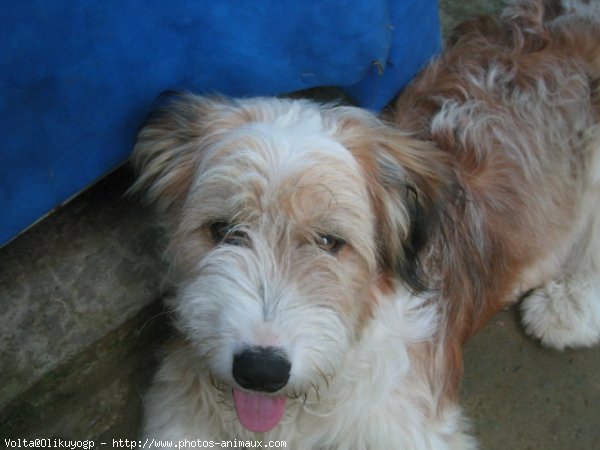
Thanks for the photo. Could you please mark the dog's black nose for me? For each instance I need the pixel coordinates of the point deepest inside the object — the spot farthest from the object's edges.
(264, 369)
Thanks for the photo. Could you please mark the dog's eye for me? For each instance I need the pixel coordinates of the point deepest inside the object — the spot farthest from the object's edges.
(226, 233)
(330, 243)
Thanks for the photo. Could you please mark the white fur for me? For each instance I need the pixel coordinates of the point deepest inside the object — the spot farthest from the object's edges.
(379, 399)
(355, 383)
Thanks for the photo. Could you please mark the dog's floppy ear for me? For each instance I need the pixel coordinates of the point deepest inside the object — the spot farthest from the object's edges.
(170, 144)
(405, 178)
(408, 189)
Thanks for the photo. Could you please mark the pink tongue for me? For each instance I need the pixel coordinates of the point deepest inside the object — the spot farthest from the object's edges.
(257, 412)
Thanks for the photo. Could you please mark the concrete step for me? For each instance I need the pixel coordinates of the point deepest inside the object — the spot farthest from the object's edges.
(80, 301)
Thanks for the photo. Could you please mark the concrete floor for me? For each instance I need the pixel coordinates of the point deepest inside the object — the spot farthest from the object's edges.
(82, 324)
(522, 396)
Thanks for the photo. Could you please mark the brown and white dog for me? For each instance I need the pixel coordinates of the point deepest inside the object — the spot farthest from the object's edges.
(329, 263)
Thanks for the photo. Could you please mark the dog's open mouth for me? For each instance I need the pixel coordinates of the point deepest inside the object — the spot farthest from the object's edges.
(258, 412)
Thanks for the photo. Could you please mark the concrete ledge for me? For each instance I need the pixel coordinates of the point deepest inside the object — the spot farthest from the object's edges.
(65, 286)
(98, 393)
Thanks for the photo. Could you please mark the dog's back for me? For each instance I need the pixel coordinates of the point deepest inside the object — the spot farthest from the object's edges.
(515, 102)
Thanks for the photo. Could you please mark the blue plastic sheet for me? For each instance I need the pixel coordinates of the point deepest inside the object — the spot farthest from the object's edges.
(77, 76)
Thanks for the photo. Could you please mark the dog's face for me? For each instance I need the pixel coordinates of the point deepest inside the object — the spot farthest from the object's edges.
(283, 219)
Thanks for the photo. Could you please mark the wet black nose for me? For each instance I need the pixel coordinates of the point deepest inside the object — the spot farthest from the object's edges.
(264, 369)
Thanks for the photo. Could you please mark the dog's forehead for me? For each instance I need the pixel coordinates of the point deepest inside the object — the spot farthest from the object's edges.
(287, 164)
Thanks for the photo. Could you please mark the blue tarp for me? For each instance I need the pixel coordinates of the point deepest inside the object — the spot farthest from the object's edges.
(77, 76)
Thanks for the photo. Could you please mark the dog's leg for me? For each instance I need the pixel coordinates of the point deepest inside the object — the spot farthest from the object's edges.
(565, 312)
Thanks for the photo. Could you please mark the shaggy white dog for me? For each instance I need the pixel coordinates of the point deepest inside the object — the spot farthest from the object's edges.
(329, 264)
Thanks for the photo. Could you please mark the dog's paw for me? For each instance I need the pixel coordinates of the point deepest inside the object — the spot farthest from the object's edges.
(563, 315)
